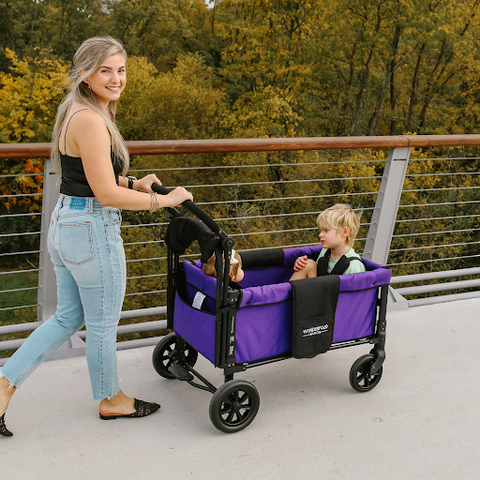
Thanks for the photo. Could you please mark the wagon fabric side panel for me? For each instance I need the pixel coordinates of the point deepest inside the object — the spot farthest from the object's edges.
(264, 323)
(356, 307)
(197, 325)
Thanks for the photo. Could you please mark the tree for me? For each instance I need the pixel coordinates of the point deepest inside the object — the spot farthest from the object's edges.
(181, 104)
(59, 25)
(159, 31)
(29, 96)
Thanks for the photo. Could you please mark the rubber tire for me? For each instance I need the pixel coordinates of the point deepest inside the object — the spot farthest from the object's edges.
(234, 406)
(359, 374)
(162, 353)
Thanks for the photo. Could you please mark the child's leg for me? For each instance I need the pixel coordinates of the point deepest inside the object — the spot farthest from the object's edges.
(310, 271)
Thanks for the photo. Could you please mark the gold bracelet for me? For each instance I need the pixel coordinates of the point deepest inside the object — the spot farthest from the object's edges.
(156, 201)
(152, 203)
(155, 204)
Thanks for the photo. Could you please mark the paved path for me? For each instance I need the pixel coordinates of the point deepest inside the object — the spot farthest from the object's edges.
(421, 422)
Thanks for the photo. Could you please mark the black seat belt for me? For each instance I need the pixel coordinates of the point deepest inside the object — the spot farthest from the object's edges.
(339, 268)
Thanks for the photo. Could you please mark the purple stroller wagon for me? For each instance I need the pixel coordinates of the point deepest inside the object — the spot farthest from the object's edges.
(240, 326)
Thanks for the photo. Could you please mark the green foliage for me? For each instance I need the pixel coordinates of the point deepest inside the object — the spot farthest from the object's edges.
(261, 69)
(160, 31)
(183, 103)
(11, 285)
(29, 96)
(287, 67)
(57, 24)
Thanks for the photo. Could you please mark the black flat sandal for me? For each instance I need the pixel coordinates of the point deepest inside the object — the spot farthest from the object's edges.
(142, 409)
(3, 428)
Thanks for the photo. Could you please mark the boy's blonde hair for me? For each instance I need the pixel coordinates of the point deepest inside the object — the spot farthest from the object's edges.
(209, 267)
(340, 216)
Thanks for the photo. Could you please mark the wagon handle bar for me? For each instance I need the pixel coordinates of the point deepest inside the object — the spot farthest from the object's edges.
(205, 218)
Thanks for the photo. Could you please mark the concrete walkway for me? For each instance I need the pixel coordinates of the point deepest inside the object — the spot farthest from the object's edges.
(421, 422)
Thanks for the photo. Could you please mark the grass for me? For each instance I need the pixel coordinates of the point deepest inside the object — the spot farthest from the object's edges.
(12, 295)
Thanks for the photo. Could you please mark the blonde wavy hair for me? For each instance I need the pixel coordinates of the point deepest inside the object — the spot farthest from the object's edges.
(88, 58)
(340, 216)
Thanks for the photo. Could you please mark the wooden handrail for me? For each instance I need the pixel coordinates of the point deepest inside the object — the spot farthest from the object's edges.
(163, 147)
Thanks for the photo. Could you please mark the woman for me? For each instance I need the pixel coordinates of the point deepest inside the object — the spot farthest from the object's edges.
(84, 238)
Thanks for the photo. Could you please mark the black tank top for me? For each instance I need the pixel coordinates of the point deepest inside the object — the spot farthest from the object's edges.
(74, 182)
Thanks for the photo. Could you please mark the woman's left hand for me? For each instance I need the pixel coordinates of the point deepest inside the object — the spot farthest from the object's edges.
(145, 183)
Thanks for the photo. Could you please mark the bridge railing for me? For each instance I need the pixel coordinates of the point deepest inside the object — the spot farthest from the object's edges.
(419, 196)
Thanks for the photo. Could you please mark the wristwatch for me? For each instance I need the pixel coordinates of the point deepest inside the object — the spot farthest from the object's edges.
(130, 181)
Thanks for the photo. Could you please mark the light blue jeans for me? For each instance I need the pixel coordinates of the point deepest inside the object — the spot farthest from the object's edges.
(86, 248)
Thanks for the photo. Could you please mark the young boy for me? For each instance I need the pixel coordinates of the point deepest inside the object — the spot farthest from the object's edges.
(338, 226)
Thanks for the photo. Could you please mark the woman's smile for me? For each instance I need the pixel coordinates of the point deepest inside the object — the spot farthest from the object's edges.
(108, 81)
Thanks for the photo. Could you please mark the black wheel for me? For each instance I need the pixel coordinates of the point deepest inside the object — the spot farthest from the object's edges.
(360, 378)
(234, 406)
(167, 351)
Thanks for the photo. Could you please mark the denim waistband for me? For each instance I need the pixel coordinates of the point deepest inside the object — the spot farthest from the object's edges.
(87, 204)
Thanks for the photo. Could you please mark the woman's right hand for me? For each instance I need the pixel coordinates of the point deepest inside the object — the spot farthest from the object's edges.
(177, 196)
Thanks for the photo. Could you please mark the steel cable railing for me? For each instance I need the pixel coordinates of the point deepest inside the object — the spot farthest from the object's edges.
(242, 208)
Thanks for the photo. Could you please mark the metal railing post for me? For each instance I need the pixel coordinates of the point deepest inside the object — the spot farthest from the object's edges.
(47, 286)
(47, 282)
(382, 225)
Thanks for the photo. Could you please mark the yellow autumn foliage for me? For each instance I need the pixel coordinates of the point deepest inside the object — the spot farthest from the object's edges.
(29, 96)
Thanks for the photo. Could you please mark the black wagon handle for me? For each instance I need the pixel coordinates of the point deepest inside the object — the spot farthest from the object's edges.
(197, 211)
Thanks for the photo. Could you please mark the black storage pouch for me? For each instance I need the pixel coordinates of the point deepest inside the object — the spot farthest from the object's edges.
(314, 303)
